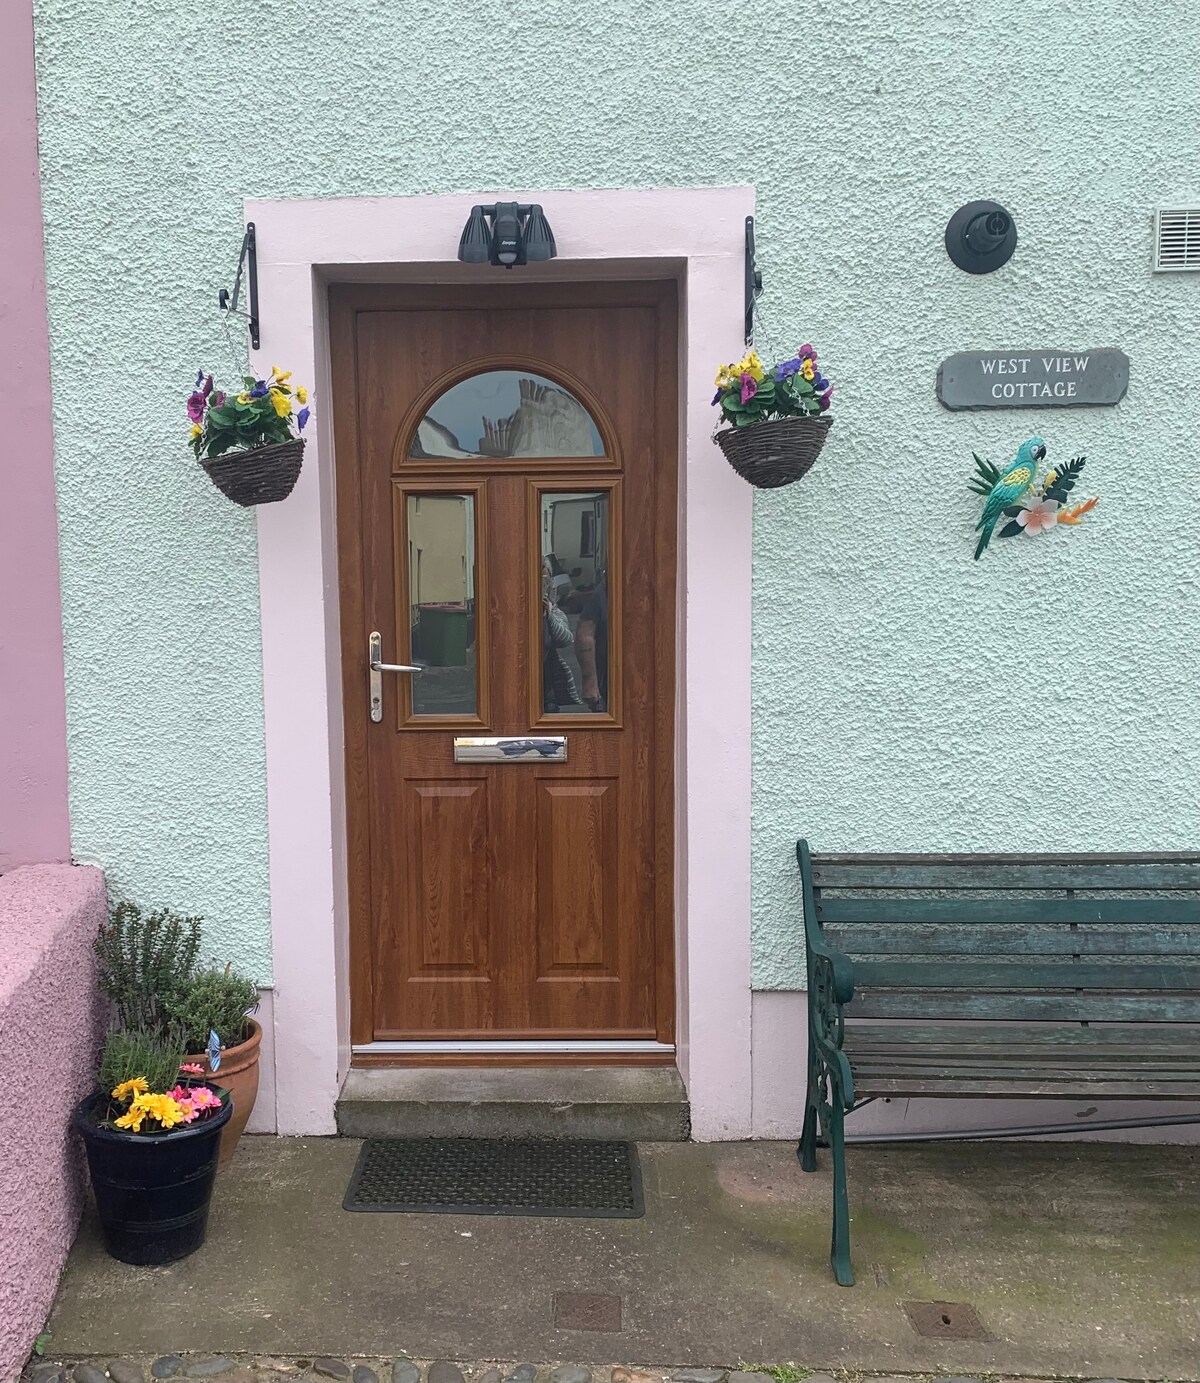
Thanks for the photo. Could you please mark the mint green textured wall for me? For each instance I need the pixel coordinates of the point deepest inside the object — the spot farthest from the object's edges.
(905, 697)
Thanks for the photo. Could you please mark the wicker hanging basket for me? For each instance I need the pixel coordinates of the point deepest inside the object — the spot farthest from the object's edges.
(776, 453)
(262, 475)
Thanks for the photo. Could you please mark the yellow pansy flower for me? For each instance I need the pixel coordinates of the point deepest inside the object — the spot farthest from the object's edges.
(283, 405)
(280, 375)
(301, 393)
(129, 1088)
(751, 365)
(243, 397)
(196, 430)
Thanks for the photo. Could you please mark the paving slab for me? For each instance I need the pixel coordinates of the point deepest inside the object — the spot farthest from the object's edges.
(1080, 1261)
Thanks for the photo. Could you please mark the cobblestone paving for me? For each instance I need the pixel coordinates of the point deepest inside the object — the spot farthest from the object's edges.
(262, 1369)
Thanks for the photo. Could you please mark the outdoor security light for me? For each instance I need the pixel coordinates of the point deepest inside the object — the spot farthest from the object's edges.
(981, 237)
(506, 234)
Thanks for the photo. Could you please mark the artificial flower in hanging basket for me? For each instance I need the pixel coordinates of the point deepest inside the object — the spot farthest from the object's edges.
(249, 443)
(779, 418)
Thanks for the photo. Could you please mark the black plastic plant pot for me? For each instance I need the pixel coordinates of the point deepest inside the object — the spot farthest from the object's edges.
(152, 1190)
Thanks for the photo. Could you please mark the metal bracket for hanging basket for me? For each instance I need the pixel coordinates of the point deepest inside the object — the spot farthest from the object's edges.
(247, 262)
(754, 281)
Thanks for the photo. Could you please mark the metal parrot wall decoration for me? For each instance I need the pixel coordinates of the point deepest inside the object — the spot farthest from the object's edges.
(1045, 506)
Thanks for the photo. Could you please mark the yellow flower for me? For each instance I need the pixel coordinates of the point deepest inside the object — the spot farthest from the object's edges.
(243, 397)
(807, 369)
(301, 393)
(132, 1119)
(146, 1106)
(283, 405)
(751, 365)
(196, 430)
(164, 1109)
(129, 1088)
(280, 375)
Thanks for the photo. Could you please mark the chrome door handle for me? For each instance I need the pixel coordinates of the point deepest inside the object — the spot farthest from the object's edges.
(377, 667)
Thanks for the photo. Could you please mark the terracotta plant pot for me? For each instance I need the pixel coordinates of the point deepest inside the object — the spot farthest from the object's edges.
(239, 1075)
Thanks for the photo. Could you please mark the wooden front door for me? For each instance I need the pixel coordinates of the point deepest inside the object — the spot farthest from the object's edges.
(506, 481)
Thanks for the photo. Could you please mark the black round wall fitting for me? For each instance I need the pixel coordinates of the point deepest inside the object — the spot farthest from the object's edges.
(980, 237)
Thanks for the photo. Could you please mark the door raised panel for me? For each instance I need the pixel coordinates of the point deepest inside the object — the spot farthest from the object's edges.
(448, 878)
(577, 885)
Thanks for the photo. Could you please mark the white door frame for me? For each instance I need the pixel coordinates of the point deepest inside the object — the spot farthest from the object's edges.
(697, 236)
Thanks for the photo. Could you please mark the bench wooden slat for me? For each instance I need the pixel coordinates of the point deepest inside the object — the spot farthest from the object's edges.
(1139, 912)
(992, 1054)
(1026, 976)
(1034, 1034)
(1006, 871)
(1044, 1089)
(1015, 1071)
(1060, 1008)
(878, 939)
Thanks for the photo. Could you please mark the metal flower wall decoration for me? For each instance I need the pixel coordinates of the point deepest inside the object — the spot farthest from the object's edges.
(1015, 493)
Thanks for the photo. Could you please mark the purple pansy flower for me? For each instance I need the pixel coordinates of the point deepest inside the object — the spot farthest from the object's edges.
(199, 379)
(208, 386)
(823, 399)
(195, 407)
(260, 388)
(749, 388)
(717, 396)
(218, 398)
(301, 418)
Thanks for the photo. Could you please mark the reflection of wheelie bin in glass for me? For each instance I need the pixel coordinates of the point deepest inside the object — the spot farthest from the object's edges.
(440, 638)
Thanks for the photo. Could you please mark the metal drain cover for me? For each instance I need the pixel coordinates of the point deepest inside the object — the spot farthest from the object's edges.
(587, 1311)
(497, 1176)
(945, 1320)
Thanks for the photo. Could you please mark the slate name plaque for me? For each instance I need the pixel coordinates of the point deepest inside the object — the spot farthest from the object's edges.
(1033, 379)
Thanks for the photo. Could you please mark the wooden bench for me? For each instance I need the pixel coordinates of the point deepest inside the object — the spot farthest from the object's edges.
(989, 975)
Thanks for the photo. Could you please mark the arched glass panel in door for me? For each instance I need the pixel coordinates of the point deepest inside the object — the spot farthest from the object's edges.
(503, 414)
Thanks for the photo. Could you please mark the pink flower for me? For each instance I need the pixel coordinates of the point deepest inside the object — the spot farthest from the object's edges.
(183, 1098)
(203, 1098)
(218, 398)
(1039, 517)
(749, 388)
(193, 1068)
(208, 386)
(195, 407)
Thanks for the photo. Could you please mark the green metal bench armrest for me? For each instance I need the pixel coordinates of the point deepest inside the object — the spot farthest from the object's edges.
(842, 967)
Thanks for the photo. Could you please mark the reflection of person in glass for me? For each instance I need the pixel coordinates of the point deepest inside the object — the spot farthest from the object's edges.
(558, 685)
(591, 645)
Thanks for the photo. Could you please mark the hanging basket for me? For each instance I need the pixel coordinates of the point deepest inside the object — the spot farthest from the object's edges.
(776, 453)
(262, 475)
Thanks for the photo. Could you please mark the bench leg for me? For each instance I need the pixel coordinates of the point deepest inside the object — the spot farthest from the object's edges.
(840, 1254)
(807, 1151)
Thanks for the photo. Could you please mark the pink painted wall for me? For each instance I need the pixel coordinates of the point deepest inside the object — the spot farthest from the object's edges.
(33, 729)
(50, 1025)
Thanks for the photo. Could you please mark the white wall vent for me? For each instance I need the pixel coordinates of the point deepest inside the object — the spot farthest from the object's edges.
(1176, 240)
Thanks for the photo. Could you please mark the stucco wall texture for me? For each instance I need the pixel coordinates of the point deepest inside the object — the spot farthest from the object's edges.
(51, 1020)
(905, 697)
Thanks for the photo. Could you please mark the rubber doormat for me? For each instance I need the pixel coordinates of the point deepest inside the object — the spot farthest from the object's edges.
(497, 1176)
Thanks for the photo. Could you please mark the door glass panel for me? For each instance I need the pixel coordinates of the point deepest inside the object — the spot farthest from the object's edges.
(441, 603)
(575, 576)
(506, 413)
